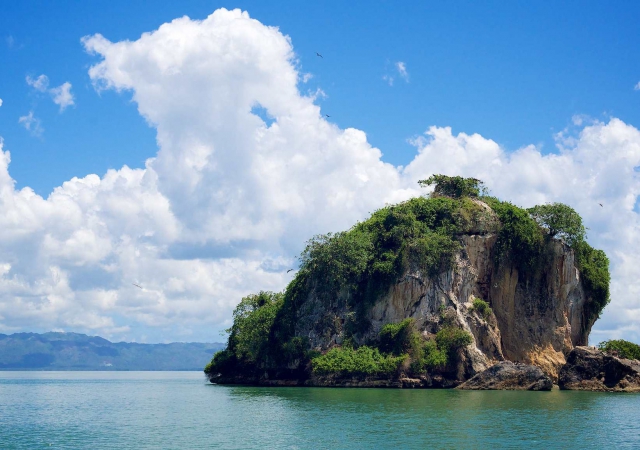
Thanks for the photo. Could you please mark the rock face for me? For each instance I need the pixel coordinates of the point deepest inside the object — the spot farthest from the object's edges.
(537, 317)
(589, 369)
(509, 376)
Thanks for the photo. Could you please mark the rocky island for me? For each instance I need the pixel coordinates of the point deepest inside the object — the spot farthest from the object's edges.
(452, 289)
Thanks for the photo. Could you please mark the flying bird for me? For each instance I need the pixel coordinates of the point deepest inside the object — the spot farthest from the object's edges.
(136, 285)
(600, 204)
(318, 54)
(327, 115)
(289, 270)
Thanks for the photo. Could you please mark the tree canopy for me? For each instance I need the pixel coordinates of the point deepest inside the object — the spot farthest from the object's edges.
(560, 221)
(454, 187)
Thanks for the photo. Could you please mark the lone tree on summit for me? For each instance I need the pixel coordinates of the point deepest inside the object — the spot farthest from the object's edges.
(454, 187)
(560, 221)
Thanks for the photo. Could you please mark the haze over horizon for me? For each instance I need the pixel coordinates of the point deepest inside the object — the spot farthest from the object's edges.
(246, 165)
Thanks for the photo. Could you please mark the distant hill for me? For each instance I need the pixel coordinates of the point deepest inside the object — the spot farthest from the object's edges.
(73, 351)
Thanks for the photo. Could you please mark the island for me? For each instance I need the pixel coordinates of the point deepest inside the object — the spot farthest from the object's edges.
(453, 289)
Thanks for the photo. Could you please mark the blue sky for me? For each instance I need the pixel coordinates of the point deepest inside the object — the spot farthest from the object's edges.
(195, 159)
(514, 72)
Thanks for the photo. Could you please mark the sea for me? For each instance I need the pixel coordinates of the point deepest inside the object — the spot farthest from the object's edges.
(182, 410)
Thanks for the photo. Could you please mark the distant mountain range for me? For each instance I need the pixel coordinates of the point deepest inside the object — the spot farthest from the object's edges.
(73, 351)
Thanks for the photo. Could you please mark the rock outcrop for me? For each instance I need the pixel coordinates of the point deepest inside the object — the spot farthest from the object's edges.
(537, 317)
(589, 369)
(509, 376)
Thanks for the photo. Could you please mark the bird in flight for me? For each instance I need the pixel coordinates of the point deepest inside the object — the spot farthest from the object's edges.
(136, 285)
(327, 115)
(600, 204)
(318, 54)
(289, 270)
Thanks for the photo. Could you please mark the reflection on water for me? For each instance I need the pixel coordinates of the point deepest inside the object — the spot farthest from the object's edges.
(181, 410)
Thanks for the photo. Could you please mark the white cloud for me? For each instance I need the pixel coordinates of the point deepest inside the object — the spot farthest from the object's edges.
(0, 102)
(62, 95)
(402, 71)
(228, 201)
(31, 123)
(637, 87)
(40, 83)
(388, 79)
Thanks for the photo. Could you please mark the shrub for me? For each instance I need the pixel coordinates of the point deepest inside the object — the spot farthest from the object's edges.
(481, 307)
(431, 358)
(624, 349)
(400, 338)
(450, 338)
(364, 361)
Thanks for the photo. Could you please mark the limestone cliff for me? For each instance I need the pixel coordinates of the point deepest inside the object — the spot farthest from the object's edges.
(429, 293)
(537, 317)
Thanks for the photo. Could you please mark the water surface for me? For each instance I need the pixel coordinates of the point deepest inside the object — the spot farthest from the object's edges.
(180, 410)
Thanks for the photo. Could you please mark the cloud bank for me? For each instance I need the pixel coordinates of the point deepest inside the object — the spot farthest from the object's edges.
(228, 201)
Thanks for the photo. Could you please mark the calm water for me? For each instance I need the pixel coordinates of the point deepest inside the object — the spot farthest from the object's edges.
(107, 410)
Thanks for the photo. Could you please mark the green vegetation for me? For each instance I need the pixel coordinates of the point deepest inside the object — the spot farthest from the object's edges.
(398, 343)
(560, 221)
(482, 307)
(400, 338)
(348, 271)
(363, 361)
(594, 270)
(454, 187)
(622, 348)
(520, 238)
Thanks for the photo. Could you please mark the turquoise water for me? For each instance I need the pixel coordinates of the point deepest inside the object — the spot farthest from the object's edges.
(180, 410)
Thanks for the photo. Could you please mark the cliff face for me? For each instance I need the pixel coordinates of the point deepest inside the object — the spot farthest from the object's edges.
(537, 317)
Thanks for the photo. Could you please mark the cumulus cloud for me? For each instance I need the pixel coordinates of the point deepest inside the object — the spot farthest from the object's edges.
(60, 95)
(229, 199)
(31, 124)
(0, 102)
(637, 86)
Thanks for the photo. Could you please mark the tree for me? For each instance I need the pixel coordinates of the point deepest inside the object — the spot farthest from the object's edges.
(252, 321)
(560, 221)
(454, 187)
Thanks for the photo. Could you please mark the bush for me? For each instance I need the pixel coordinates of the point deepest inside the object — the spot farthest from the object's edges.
(624, 349)
(431, 358)
(481, 307)
(451, 338)
(365, 361)
(400, 338)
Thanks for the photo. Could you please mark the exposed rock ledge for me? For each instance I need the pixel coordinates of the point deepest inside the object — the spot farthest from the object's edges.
(589, 369)
(509, 376)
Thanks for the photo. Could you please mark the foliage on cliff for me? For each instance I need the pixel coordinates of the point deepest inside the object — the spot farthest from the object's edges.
(621, 348)
(351, 269)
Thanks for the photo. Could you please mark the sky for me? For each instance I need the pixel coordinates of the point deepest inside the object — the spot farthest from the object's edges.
(193, 147)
